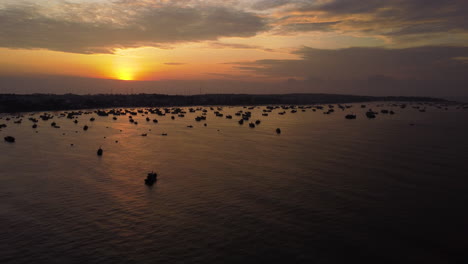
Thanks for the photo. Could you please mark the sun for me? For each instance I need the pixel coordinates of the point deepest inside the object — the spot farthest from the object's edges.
(125, 68)
(125, 75)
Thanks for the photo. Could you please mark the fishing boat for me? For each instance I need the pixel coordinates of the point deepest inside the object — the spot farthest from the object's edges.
(10, 139)
(151, 178)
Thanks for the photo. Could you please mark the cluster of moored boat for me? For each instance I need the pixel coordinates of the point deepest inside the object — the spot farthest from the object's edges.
(244, 114)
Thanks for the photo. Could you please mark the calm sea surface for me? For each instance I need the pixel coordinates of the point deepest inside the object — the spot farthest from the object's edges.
(326, 190)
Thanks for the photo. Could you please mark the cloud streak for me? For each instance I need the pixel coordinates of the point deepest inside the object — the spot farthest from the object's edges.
(174, 63)
(220, 45)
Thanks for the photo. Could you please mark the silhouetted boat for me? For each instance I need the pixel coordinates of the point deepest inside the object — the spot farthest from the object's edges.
(350, 116)
(200, 118)
(9, 139)
(151, 178)
(252, 125)
(85, 128)
(257, 122)
(100, 151)
(102, 113)
(370, 114)
(278, 131)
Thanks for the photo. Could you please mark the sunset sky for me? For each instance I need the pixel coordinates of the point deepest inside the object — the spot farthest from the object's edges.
(314, 46)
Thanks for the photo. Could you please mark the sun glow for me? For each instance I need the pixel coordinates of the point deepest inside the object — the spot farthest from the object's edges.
(125, 74)
(126, 68)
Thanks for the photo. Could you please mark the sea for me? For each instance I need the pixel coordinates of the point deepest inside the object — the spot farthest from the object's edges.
(392, 189)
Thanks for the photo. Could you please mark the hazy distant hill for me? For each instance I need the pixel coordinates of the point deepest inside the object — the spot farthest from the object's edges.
(373, 86)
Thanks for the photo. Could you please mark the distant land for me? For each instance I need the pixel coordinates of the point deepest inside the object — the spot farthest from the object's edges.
(10, 103)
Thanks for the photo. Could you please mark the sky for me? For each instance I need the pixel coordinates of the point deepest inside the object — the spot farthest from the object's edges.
(375, 47)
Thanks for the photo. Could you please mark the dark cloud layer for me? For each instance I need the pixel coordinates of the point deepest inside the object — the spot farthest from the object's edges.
(101, 28)
(391, 18)
(84, 30)
(421, 63)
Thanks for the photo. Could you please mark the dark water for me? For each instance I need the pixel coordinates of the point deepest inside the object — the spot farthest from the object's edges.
(327, 190)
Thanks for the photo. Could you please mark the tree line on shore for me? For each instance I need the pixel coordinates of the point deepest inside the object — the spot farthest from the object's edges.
(48, 102)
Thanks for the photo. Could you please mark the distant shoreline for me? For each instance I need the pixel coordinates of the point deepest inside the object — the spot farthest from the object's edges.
(10, 103)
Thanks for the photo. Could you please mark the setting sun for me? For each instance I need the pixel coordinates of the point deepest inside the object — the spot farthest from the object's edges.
(125, 75)
(126, 68)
